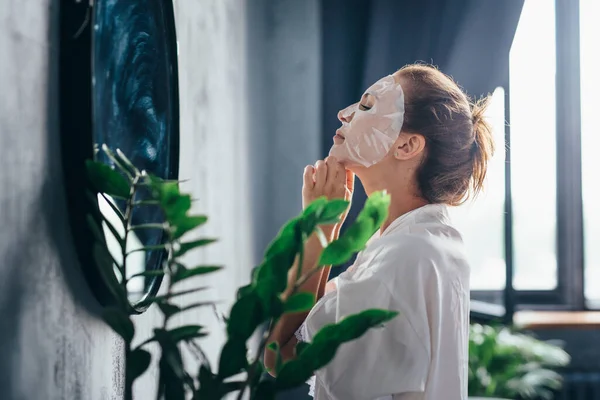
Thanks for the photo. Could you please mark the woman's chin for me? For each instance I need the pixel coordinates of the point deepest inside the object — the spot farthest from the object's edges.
(342, 157)
(338, 152)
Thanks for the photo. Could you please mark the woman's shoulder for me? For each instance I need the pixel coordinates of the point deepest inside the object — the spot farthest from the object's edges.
(410, 257)
(419, 245)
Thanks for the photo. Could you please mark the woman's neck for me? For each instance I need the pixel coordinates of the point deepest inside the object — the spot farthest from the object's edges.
(399, 207)
(403, 199)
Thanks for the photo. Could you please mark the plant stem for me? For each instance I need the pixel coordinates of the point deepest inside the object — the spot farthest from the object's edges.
(169, 270)
(300, 279)
(301, 257)
(305, 277)
(128, 216)
(127, 222)
(253, 366)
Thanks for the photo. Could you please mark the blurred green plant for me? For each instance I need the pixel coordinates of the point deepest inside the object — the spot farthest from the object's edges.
(508, 364)
(257, 304)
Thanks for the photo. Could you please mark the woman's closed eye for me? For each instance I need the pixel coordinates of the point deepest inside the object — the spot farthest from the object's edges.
(366, 102)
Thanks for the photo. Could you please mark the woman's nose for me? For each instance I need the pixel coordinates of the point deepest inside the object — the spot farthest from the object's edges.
(345, 115)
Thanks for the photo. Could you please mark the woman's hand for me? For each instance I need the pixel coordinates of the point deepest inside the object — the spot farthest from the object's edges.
(327, 178)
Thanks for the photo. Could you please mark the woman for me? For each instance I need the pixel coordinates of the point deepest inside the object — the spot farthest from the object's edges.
(416, 135)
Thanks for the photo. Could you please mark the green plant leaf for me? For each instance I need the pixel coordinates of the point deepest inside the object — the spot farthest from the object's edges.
(150, 274)
(233, 357)
(184, 273)
(246, 315)
(116, 235)
(116, 211)
(271, 275)
(174, 204)
(508, 364)
(300, 347)
(244, 290)
(172, 376)
(171, 309)
(259, 370)
(176, 207)
(146, 202)
(228, 387)
(299, 302)
(187, 223)
(287, 241)
(176, 335)
(315, 208)
(119, 322)
(265, 390)
(187, 246)
(109, 264)
(105, 264)
(354, 326)
(105, 179)
(325, 344)
(95, 228)
(209, 385)
(170, 353)
(168, 309)
(355, 238)
(351, 241)
(158, 299)
(137, 362)
(311, 214)
(332, 211)
(376, 208)
(147, 226)
(187, 332)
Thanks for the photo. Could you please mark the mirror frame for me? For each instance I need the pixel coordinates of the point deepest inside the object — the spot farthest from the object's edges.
(75, 94)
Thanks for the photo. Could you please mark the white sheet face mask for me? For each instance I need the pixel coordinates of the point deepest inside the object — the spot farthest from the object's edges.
(370, 134)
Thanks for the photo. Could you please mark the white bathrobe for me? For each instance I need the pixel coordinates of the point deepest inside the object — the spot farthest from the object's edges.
(417, 266)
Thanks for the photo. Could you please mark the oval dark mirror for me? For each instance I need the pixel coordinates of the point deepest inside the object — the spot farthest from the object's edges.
(135, 109)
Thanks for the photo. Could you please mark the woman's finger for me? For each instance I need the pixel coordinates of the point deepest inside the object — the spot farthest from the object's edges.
(309, 182)
(320, 175)
(340, 176)
(350, 180)
(332, 170)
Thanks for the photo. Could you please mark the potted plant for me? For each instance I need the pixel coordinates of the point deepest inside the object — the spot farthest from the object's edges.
(258, 304)
(507, 364)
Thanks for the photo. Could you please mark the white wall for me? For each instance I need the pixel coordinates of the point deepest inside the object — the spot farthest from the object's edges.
(52, 345)
(214, 158)
(249, 98)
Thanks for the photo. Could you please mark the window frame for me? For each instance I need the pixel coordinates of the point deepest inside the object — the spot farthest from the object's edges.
(569, 292)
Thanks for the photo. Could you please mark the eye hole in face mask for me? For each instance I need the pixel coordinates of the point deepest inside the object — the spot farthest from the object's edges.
(367, 101)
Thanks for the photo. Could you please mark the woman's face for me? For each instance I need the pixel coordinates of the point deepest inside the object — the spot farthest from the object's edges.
(371, 126)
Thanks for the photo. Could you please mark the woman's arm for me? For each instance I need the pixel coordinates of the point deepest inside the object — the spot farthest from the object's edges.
(284, 331)
(328, 179)
(325, 275)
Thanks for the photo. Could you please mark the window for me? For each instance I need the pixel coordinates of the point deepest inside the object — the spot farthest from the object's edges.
(590, 143)
(532, 65)
(551, 236)
(481, 221)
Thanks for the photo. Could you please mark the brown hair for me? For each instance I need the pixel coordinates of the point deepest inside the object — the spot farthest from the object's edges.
(459, 140)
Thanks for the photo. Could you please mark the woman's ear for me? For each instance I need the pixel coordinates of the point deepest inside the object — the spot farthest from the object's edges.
(408, 146)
